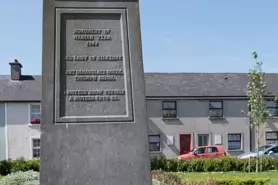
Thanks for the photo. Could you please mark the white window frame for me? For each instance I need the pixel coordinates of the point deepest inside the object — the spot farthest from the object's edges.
(30, 113)
(271, 139)
(211, 109)
(31, 147)
(160, 146)
(169, 109)
(273, 106)
(241, 141)
(203, 138)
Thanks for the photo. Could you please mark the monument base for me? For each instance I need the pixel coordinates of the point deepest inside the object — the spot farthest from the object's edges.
(95, 154)
(94, 123)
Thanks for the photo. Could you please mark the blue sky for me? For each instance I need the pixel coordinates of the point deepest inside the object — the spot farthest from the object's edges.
(177, 35)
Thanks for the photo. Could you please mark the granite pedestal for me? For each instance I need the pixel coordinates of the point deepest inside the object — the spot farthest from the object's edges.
(94, 124)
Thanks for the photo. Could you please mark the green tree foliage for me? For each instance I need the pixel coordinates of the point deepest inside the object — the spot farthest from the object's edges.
(258, 95)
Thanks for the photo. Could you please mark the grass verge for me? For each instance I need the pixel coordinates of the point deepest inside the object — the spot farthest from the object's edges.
(225, 175)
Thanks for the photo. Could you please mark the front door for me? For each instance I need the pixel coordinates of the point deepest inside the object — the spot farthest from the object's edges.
(185, 143)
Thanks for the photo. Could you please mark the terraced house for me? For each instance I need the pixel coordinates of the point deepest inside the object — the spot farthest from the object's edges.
(184, 111)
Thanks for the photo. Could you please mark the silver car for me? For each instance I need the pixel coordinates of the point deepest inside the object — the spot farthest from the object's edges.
(270, 150)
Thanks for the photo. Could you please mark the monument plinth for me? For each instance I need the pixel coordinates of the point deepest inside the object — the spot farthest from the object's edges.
(94, 124)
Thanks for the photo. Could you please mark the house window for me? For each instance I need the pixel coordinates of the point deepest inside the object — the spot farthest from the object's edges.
(154, 143)
(271, 137)
(234, 141)
(215, 108)
(35, 113)
(203, 139)
(36, 148)
(273, 108)
(169, 109)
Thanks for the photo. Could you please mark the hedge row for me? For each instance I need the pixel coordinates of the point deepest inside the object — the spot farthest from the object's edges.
(224, 164)
(171, 179)
(11, 166)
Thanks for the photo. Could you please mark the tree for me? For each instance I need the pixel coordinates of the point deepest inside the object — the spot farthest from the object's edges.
(258, 95)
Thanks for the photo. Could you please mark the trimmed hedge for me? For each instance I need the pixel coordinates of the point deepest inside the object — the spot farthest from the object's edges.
(12, 166)
(224, 164)
(171, 179)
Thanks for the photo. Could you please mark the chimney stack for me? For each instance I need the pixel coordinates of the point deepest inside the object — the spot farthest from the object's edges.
(15, 70)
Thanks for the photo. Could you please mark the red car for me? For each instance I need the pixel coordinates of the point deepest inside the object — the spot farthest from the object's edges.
(204, 152)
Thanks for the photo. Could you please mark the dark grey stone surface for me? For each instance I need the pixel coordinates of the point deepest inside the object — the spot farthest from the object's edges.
(94, 124)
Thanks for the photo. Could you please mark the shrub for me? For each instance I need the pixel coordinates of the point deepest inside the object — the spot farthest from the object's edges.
(5, 167)
(224, 164)
(172, 165)
(158, 163)
(9, 166)
(19, 165)
(33, 165)
(21, 178)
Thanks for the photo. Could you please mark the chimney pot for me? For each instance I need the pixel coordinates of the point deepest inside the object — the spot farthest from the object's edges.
(15, 70)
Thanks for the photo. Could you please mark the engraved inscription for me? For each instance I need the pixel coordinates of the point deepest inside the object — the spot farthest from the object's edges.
(94, 58)
(86, 78)
(104, 37)
(84, 37)
(93, 71)
(95, 95)
(110, 75)
(87, 31)
(110, 58)
(92, 36)
(78, 75)
(92, 44)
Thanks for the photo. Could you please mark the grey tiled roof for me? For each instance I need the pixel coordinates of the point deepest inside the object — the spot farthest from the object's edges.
(28, 89)
(202, 84)
(157, 85)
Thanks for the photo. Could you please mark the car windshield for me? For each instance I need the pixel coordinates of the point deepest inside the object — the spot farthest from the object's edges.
(262, 148)
(192, 151)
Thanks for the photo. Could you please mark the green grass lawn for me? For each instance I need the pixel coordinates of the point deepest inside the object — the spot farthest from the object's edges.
(220, 175)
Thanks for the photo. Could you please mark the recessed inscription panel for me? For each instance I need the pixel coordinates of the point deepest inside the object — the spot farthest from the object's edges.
(93, 77)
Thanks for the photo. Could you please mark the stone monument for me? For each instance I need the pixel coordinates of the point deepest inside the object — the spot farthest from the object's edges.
(94, 124)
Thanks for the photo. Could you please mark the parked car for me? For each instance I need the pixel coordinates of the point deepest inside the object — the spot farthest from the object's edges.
(270, 150)
(204, 152)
